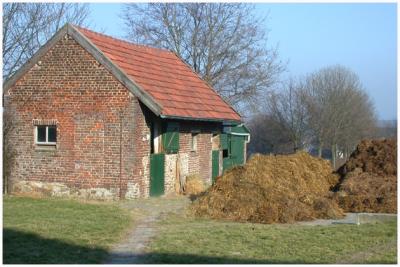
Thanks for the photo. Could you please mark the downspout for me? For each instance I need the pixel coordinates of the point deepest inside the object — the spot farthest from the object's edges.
(120, 155)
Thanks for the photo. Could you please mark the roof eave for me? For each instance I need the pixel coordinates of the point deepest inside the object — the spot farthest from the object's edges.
(197, 119)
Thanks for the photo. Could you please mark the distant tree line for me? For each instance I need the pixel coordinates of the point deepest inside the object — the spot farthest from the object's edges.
(327, 110)
(386, 129)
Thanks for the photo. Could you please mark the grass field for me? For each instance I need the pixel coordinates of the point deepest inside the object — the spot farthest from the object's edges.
(66, 231)
(185, 240)
(59, 231)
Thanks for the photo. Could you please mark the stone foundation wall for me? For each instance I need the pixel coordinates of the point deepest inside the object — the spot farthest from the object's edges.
(62, 190)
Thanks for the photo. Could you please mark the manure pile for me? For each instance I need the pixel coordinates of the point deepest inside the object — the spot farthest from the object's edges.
(368, 180)
(272, 189)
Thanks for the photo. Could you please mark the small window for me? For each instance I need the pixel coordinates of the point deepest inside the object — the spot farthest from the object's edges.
(170, 138)
(46, 134)
(194, 141)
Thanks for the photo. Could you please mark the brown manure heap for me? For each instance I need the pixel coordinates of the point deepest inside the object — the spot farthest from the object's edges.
(272, 189)
(368, 180)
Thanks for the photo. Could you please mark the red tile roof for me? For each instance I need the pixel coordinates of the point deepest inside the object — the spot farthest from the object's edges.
(173, 85)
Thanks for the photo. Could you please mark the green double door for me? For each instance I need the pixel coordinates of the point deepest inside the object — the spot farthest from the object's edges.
(234, 151)
(157, 174)
(215, 165)
(237, 149)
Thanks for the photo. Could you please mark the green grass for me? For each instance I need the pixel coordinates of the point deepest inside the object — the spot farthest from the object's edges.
(186, 240)
(60, 231)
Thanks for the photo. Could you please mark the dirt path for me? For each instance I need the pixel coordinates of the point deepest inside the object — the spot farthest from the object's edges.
(151, 210)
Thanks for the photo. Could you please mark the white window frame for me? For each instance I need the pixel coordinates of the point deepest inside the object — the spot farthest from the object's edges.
(46, 143)
(215, 135)
(194, 141)
(157, 142)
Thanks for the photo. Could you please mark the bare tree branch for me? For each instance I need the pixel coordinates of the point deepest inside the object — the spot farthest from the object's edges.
(27, 26)
(223, 42)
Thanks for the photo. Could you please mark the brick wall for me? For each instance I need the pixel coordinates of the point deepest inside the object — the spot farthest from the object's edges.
(95, 115)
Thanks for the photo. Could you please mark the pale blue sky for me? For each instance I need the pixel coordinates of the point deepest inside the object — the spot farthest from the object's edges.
(362, 37)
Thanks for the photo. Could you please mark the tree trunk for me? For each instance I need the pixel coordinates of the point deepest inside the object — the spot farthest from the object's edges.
(333, 150)
(320, 150)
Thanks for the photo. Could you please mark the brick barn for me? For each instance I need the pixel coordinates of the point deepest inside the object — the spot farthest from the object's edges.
(100, 118)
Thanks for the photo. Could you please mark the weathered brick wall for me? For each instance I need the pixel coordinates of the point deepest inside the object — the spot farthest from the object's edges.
(90, 108)
(141, 158)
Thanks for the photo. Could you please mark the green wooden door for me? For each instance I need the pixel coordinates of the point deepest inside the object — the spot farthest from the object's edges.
(237, 149)
(157, 174)
(226, 151)
(215, 165)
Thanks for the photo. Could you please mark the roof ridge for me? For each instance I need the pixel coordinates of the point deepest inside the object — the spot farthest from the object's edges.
(123, 41)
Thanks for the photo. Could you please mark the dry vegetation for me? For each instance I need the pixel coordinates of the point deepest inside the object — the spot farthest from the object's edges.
(369, 178)
(194, 185)
(271, 189)
(298, 187)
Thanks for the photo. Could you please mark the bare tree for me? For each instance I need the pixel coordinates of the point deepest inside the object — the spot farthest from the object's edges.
(328, 110)
(287, 109)
(341, 113)
(223, 42)
(27, 26)
(268, 136)
(386, 129)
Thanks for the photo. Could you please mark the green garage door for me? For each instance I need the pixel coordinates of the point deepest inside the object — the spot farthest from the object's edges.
(233, 143)
(233, 154)
(237, 149)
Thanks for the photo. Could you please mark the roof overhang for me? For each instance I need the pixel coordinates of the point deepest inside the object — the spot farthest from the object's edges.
(237, 129)
(198, 119)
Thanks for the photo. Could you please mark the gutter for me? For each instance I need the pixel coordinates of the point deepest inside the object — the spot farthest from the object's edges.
(242, 134)
(196, 119)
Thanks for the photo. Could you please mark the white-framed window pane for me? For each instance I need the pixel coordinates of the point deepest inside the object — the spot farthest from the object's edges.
(52, 134)
(194, 142)
(46, 134)
(41, 133)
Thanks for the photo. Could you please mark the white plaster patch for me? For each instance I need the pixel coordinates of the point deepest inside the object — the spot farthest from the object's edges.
(133, 191)
(97, 193)
(170, 173)
(184, 164)
(146, 175)
(183, 168)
